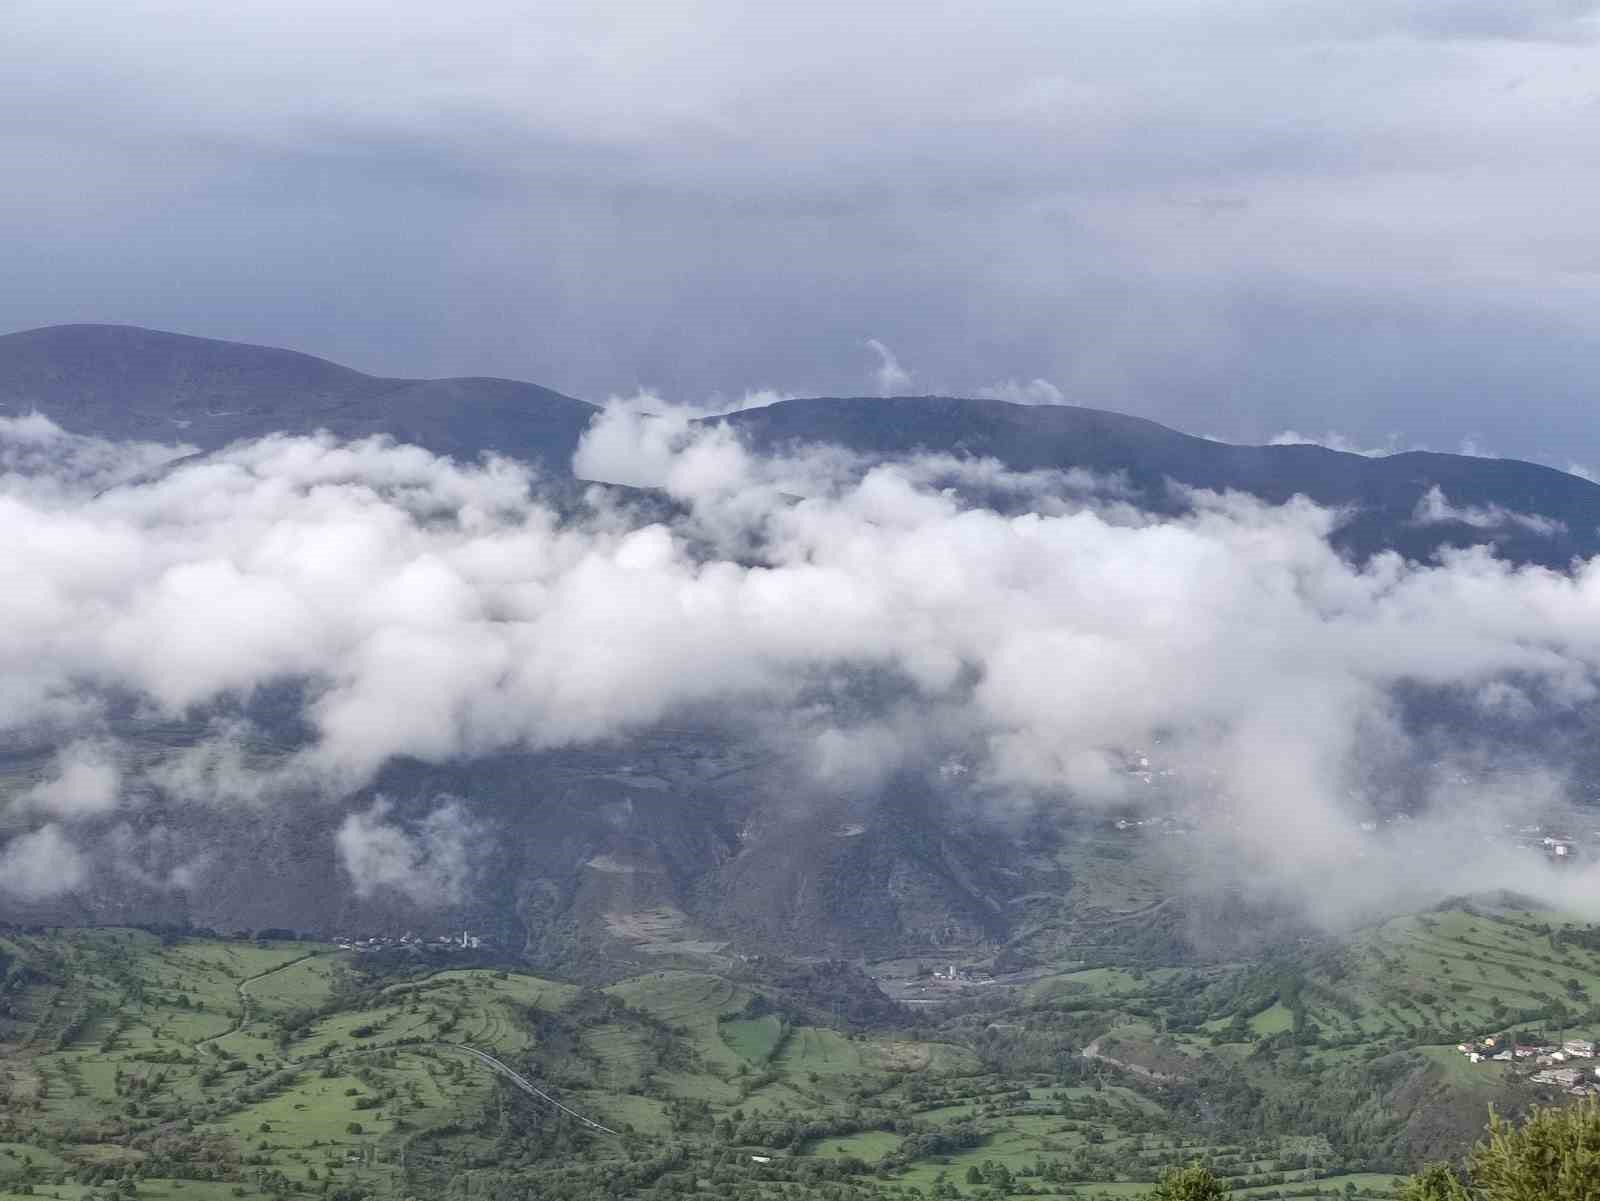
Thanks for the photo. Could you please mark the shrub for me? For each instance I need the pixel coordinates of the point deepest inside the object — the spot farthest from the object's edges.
(1193, 1183)
(1436, 1182)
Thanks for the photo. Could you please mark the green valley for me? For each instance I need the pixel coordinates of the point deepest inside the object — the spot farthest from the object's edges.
(177, 1065)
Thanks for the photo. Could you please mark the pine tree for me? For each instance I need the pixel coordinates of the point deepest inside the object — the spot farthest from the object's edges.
(1553, 1156)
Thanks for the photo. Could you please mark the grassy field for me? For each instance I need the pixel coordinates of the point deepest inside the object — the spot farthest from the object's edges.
(755, 1039)
(288, 1071)
(209, 1068)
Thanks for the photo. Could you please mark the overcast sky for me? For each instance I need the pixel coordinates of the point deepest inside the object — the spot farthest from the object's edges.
(1239, 217)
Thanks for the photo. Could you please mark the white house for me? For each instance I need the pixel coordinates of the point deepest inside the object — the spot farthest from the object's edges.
(1566, 1077)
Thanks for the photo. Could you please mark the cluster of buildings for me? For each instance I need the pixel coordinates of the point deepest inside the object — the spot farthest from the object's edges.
(929, 988)
(1561, 849)
(465, 941)
(1574, 1080)
(1569, 1065)
(1163, 823)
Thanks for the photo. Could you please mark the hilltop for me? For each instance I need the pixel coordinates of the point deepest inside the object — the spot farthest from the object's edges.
(124, 382)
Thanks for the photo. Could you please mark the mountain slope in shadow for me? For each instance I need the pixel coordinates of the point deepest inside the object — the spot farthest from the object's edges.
(122, 382)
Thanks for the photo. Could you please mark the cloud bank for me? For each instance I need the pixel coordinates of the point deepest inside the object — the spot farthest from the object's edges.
(414, 606)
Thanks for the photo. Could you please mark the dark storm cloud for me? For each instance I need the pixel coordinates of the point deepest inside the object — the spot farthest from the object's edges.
(1238, 217)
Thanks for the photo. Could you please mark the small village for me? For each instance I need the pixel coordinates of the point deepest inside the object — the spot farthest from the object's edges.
(1569, 1065)
(952, 976)
(465, 941)
(933, 985)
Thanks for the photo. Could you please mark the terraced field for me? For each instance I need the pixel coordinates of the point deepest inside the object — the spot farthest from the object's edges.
(682, 996)
(1440, 977)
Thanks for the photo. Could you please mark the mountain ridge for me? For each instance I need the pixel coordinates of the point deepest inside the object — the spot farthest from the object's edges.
(128, 382)
(1384, 492)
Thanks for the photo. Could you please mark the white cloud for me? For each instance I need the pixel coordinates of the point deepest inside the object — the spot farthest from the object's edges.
(37, 455)
(1334, 440)
(1034, 392)
(1434, 508)
(891, 378)
(41, 864)
(428, 863)
(85, 783)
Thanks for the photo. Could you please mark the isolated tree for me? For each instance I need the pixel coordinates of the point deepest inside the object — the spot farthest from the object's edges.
(1193, 1183)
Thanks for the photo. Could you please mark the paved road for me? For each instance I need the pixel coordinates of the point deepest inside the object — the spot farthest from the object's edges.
(527, 1085)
